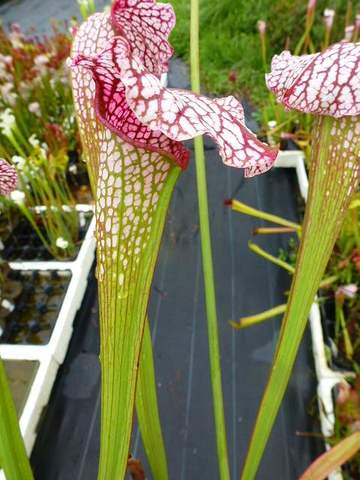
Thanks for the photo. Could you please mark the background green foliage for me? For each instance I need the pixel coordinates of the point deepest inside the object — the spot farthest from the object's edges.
(230, 42)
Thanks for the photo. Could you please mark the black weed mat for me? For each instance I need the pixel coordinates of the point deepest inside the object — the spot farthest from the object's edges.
(67, 446)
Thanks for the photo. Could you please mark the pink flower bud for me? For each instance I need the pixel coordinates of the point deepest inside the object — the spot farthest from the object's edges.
(261, 25)
(348, 291)
(311, 6)
(232, 76)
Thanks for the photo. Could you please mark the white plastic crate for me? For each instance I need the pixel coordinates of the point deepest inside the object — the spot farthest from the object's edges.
(51, 355)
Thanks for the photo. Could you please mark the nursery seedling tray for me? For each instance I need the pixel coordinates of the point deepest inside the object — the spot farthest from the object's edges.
(37, 308)
(23, 244)
(39, 328)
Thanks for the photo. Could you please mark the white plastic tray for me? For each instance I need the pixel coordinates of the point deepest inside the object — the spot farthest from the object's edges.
(51, 355)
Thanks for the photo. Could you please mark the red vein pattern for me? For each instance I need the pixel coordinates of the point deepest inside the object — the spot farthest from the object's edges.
(8, 178)
(146, 25)
(123, 84)
(326, 83)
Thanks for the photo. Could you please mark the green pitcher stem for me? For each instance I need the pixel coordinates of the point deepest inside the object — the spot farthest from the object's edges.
(13, 457)
(132, 201)
(210, 297)
(147, 410)
(334, 176)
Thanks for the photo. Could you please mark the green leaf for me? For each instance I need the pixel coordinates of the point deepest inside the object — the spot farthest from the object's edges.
(332, 459)
(13, 458)
(240, 207)
(245, 322)
(333, 180)
(148, 412)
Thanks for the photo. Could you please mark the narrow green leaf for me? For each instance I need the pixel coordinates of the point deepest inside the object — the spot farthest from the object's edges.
(332, 459)
(206, 249)
(240, 207)
(280, 263)
(13, 458)
(334, 177)
(260, 317)
(148, 412)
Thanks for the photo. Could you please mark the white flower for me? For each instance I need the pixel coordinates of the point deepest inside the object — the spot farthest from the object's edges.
(41, 60)
(7, 122)
(34, 108)
(62, 243)
(34, 141)
(329, 15)
(41, 64)
(18, 161)
(349, 31)
(7, 94)
(17, 196)
(16, 39)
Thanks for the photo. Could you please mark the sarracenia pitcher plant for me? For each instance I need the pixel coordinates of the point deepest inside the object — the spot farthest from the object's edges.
(327, 85)
(8, 177)
(130, 127)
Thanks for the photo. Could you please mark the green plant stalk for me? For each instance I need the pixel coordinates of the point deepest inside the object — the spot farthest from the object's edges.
(148, 412)
(212, 321)
(260, 317)
(253, 212)
(280, 263)
(13, 458)
(272, 230)
(334, 177)
(305, 40)
(342, 329)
